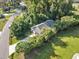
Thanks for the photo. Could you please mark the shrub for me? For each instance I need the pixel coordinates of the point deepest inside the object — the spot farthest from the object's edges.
(13, 40)
(20, 27)
(34, 42)
(51, 8)
(65, 22)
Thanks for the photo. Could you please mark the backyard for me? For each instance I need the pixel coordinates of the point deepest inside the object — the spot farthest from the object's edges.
(62, 46)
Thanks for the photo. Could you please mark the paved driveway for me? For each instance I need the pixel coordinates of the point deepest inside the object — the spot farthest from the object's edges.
(4, 41)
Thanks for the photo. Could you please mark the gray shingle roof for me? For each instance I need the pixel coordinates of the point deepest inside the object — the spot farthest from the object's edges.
(39, 27)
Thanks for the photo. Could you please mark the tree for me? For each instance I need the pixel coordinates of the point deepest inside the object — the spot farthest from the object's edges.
(20, 27)
(60, 8)
(51, 8)
(40, 11)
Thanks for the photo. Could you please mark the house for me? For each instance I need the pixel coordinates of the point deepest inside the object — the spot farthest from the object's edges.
(37, 29)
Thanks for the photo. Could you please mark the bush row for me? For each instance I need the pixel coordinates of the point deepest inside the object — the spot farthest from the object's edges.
(33, 42)
(65, 22)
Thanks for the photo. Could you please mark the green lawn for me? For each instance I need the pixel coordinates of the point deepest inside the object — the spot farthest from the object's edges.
(3, 22)
(62, 46)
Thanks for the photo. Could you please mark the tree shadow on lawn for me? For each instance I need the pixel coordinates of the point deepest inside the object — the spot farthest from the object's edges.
(58, 42)
(72, 31)
(46, 51)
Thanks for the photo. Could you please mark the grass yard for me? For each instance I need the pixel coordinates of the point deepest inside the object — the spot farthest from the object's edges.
(62, 46)
(3, 22)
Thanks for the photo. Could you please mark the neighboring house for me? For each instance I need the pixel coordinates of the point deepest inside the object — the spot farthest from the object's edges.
(38, 28)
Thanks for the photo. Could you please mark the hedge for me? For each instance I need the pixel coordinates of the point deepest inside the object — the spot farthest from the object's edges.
(33, 42)
(65, 22)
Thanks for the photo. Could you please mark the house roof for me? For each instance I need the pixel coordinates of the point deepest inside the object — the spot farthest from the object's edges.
(47, 23)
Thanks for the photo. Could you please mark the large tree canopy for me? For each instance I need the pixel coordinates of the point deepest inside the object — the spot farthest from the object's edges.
(52, 8)
(39, 11)
(20, 26)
